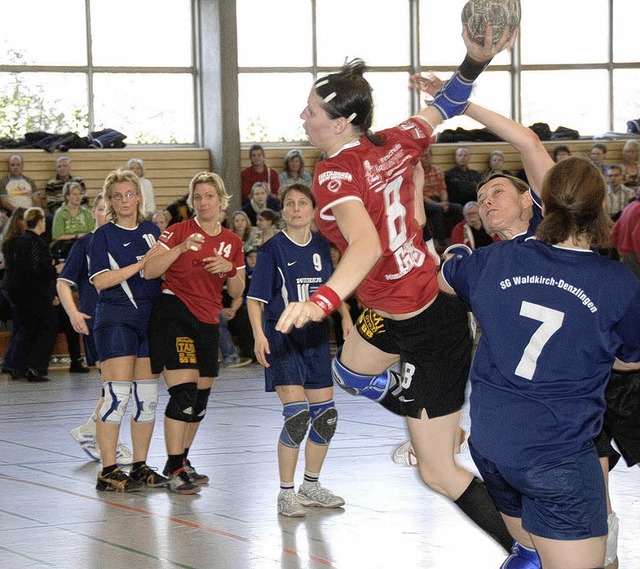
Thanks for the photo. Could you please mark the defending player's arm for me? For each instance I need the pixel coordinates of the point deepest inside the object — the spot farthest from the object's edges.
(359, 258)
(535, 158)
(113, 277)
(451, 253)
(255, 308)
(619, 365)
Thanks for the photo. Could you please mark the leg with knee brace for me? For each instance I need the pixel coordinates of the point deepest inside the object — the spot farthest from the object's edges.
(145, 397)
(522, 558)
(374, 387)
(296, 423)
(115, 398)
(202, 398)
(324, 420)
(182, 403)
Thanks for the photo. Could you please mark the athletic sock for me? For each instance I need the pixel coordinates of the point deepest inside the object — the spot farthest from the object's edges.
(286, 485)
(174, 462)
(476, 503)
(108, 469)
(310, 478)
(185, 454)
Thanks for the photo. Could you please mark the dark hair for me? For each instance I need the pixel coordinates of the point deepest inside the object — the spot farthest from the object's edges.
(517, 182)
(256, 147)
(347, 94)
(573, 193)
(269, 215)
(13, 229)
(302, 188)
(615, 167)
(560, 148)
(600, 146)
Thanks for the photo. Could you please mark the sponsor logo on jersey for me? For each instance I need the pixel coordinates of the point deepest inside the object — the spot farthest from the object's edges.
(127, 244)
(334, 179)
(291, 264)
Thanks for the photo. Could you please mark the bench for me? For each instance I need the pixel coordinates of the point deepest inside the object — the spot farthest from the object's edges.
(169, 170)
(443, 154)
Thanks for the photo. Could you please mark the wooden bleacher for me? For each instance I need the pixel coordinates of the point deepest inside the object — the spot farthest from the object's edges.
(169, 170)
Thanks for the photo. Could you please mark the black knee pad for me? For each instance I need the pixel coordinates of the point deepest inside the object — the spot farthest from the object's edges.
(202, 398)
(182, 402)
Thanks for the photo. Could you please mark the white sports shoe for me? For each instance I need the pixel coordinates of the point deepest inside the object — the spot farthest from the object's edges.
(316, 495)
(404, 455)
(85, 436)
(289, 505)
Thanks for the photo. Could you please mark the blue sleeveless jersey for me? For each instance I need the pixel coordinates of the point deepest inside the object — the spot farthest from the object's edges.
(552, 321)
(76, 272)
(114, 247)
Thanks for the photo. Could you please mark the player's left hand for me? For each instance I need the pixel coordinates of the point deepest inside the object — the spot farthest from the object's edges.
(217, 265)
(428, 83)
(298, 314)
(487, 51)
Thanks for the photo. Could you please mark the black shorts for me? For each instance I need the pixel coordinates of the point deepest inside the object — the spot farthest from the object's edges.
(435, 353)
(178, 340)
(622, 417)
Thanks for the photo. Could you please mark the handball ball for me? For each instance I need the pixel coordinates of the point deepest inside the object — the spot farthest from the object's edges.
(499, 14)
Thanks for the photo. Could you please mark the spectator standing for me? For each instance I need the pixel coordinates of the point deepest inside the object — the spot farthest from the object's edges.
(16, 189)
(258, 172)
(293, 172)
(31, 286)
(54, 190)
(136, 165)
(461, 180)
(618, 196)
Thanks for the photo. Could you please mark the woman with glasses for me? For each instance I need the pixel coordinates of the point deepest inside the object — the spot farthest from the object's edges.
(119, 252)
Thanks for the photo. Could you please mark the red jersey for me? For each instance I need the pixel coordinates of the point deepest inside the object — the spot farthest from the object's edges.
(249, 176)
(200, 291)
(381, 177)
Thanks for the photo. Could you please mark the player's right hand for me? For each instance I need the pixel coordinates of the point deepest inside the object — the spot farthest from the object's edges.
(298, 314)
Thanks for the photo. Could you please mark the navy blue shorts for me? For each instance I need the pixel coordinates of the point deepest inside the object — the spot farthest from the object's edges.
(301, 357)
(90, 350)
(117, 339)
(562, 499)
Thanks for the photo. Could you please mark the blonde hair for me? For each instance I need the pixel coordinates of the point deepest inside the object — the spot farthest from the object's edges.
(115, 177)
(214, 180)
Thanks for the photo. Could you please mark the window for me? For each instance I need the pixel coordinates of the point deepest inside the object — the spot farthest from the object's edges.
(567, 61)
(136, 75)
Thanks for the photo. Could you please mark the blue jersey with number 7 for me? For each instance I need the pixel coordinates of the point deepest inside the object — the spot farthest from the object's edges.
(553, 319)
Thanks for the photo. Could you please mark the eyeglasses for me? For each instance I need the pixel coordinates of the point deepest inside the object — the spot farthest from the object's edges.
(120, 197)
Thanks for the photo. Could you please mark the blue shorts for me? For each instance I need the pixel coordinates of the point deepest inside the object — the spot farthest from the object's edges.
(90, 350)
(301, 357)
(562, 499)
(114, 340)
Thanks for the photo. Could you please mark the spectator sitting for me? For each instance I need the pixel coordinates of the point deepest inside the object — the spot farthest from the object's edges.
(436, 199)
(260, 198)
(16, 189)
(54, 188)
(496, 164)
(470, 231)
(294, 169)
(631, 165)
(618, 196)
(268, 222)
(161, 219)
(241, 226)
(598, 154)
(258, 172)
(149, 199)
(70, 221)
(461, 180)
(561, 152)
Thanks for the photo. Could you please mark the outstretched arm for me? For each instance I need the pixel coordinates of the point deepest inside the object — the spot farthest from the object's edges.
(535, 158)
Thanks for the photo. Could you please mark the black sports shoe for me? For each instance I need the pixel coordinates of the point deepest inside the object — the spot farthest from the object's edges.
(117, 481)
(77, 367)
(148, 477)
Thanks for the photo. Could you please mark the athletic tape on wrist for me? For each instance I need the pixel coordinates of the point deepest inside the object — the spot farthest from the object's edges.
(326, 298)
